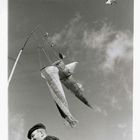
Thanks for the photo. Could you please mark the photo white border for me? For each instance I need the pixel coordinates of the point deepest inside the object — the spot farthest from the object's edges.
(136, 72)
(3, 69)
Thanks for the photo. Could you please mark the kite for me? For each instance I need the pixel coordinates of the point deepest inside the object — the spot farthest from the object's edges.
(66, 77)
(51, 75)
(56, 74)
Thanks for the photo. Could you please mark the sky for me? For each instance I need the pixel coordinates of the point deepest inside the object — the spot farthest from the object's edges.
(100, 38)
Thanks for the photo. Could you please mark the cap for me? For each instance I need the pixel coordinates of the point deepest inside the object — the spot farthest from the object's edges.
(37, 126)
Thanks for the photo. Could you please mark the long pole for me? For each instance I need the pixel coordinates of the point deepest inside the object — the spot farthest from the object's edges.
(12, 71)
(19, 54)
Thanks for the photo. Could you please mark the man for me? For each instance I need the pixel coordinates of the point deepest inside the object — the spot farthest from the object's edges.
(39, 132)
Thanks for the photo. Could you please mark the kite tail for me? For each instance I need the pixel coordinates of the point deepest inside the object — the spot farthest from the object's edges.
(52, 78)
(80, 96)
(71, 121)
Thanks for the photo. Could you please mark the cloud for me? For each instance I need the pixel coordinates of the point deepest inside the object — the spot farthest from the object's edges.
(126, 130)
(111, 45)
(115, 104)
(120, 48)
(100, 110)
(122, 126)
(97, 38)
(16, 124)
(105, 53)
(69, 34)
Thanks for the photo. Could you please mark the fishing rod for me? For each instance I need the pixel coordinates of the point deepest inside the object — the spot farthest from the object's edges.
(20, 52)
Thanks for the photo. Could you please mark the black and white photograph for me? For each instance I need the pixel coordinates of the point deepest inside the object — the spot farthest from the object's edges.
(70, 69)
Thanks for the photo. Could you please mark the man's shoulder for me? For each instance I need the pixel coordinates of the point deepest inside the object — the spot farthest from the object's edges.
(51, 138)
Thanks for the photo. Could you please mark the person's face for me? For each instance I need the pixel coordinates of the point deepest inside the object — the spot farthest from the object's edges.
(38, 134)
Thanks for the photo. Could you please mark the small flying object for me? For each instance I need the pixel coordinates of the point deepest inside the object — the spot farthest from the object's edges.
(110, 2)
